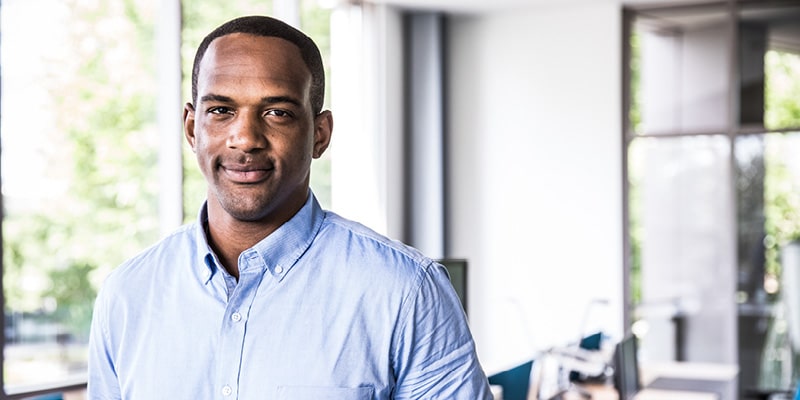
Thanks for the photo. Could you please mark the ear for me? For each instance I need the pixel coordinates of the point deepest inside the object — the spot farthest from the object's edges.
(323, 127)
(188, 124)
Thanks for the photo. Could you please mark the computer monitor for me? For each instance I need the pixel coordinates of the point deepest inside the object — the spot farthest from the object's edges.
(626, 368)
(457, 269)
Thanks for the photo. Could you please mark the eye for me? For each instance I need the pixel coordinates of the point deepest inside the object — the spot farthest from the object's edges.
(278, 113)
(220, 110)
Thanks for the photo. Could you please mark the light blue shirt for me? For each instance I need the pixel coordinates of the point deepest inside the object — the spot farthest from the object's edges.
(324, 308)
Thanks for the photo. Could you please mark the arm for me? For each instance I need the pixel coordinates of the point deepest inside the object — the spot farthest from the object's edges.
(103, 383)
(434, 355)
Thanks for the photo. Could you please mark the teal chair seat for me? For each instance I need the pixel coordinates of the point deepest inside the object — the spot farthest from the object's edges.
(515, 381)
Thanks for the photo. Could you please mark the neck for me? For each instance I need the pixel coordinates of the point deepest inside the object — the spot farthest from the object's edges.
(229, 240)
(229, 236)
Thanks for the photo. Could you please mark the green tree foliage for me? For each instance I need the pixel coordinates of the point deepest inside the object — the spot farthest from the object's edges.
(74, 294)
(781, 206)
(782, 95)
(103, 96)
(634, 195)
(782, 183)
(315, 22)
(635, 70)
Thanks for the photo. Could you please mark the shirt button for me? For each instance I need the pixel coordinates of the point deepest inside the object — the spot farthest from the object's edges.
(236, 317)
(278, 269)
(226, 390)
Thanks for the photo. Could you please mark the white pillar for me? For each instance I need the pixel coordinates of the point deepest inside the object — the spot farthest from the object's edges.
(426, 134)
(170, 122)
(367, 102)
(287, 11)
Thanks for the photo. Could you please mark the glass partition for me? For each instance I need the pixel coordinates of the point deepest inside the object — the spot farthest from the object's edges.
(712, 181)
(681, 191)
(768, 182)
(683, 70)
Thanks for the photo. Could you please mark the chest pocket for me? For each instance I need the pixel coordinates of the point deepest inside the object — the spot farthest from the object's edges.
(324, 393)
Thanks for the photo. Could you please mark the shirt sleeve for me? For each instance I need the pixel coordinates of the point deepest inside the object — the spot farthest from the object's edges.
(102, 380)
(435, 355)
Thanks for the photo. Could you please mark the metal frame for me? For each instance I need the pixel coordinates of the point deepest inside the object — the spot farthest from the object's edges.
(627, 301)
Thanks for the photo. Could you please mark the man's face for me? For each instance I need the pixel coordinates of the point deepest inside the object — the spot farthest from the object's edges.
(253, 129)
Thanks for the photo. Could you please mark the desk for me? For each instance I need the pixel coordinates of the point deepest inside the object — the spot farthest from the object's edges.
(723, 373)
(497, 392)
(694, 370)
(606, 392)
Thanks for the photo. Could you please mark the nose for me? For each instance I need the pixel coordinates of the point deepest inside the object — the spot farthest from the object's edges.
(248, 133)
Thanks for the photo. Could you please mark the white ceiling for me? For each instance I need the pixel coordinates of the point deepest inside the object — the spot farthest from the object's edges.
(478, 6)
(469, 6)
(785, 37)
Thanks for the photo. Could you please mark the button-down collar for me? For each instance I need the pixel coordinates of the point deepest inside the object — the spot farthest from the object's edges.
(279, 251)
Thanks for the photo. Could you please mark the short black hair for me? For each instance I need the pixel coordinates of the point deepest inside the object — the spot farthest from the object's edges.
(270, 27)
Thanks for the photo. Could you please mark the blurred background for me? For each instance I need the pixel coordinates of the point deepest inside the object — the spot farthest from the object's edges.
(600, 165)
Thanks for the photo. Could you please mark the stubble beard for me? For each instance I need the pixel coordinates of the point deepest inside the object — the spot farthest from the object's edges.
(246, 207)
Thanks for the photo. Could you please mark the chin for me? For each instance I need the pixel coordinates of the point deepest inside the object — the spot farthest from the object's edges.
(248, 214)
(246, 209)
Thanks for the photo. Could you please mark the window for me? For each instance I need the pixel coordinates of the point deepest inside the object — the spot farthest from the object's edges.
(711, 181)
(79, 144)
(79, 173)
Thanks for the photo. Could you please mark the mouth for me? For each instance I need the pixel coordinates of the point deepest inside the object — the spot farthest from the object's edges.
(246, 174)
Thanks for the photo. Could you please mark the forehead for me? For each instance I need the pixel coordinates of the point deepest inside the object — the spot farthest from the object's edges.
(240, 58)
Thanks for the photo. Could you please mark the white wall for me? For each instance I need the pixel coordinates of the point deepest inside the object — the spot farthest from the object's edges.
(535, 174)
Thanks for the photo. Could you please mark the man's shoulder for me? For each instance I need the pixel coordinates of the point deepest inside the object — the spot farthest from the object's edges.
(371, 244)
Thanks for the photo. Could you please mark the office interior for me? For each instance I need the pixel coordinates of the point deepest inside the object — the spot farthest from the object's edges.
(592, 181)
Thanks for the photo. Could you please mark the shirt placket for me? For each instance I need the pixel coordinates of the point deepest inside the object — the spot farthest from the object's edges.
(232, 331)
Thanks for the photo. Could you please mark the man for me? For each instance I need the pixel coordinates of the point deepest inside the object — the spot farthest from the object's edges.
(267, 296)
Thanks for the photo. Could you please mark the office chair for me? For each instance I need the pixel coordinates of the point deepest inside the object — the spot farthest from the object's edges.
(515, 381)
(757, 394)
(53, 396)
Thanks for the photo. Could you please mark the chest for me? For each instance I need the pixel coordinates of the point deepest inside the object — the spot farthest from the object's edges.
(266, 335)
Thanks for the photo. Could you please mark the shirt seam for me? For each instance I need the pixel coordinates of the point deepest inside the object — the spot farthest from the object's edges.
(408, 305)
(420, 261)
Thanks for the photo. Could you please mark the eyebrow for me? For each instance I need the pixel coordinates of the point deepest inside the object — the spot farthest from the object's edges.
(217, 98)
(264, 100)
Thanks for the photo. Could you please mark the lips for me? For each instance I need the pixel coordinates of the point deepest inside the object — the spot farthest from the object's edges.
(246, 173)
